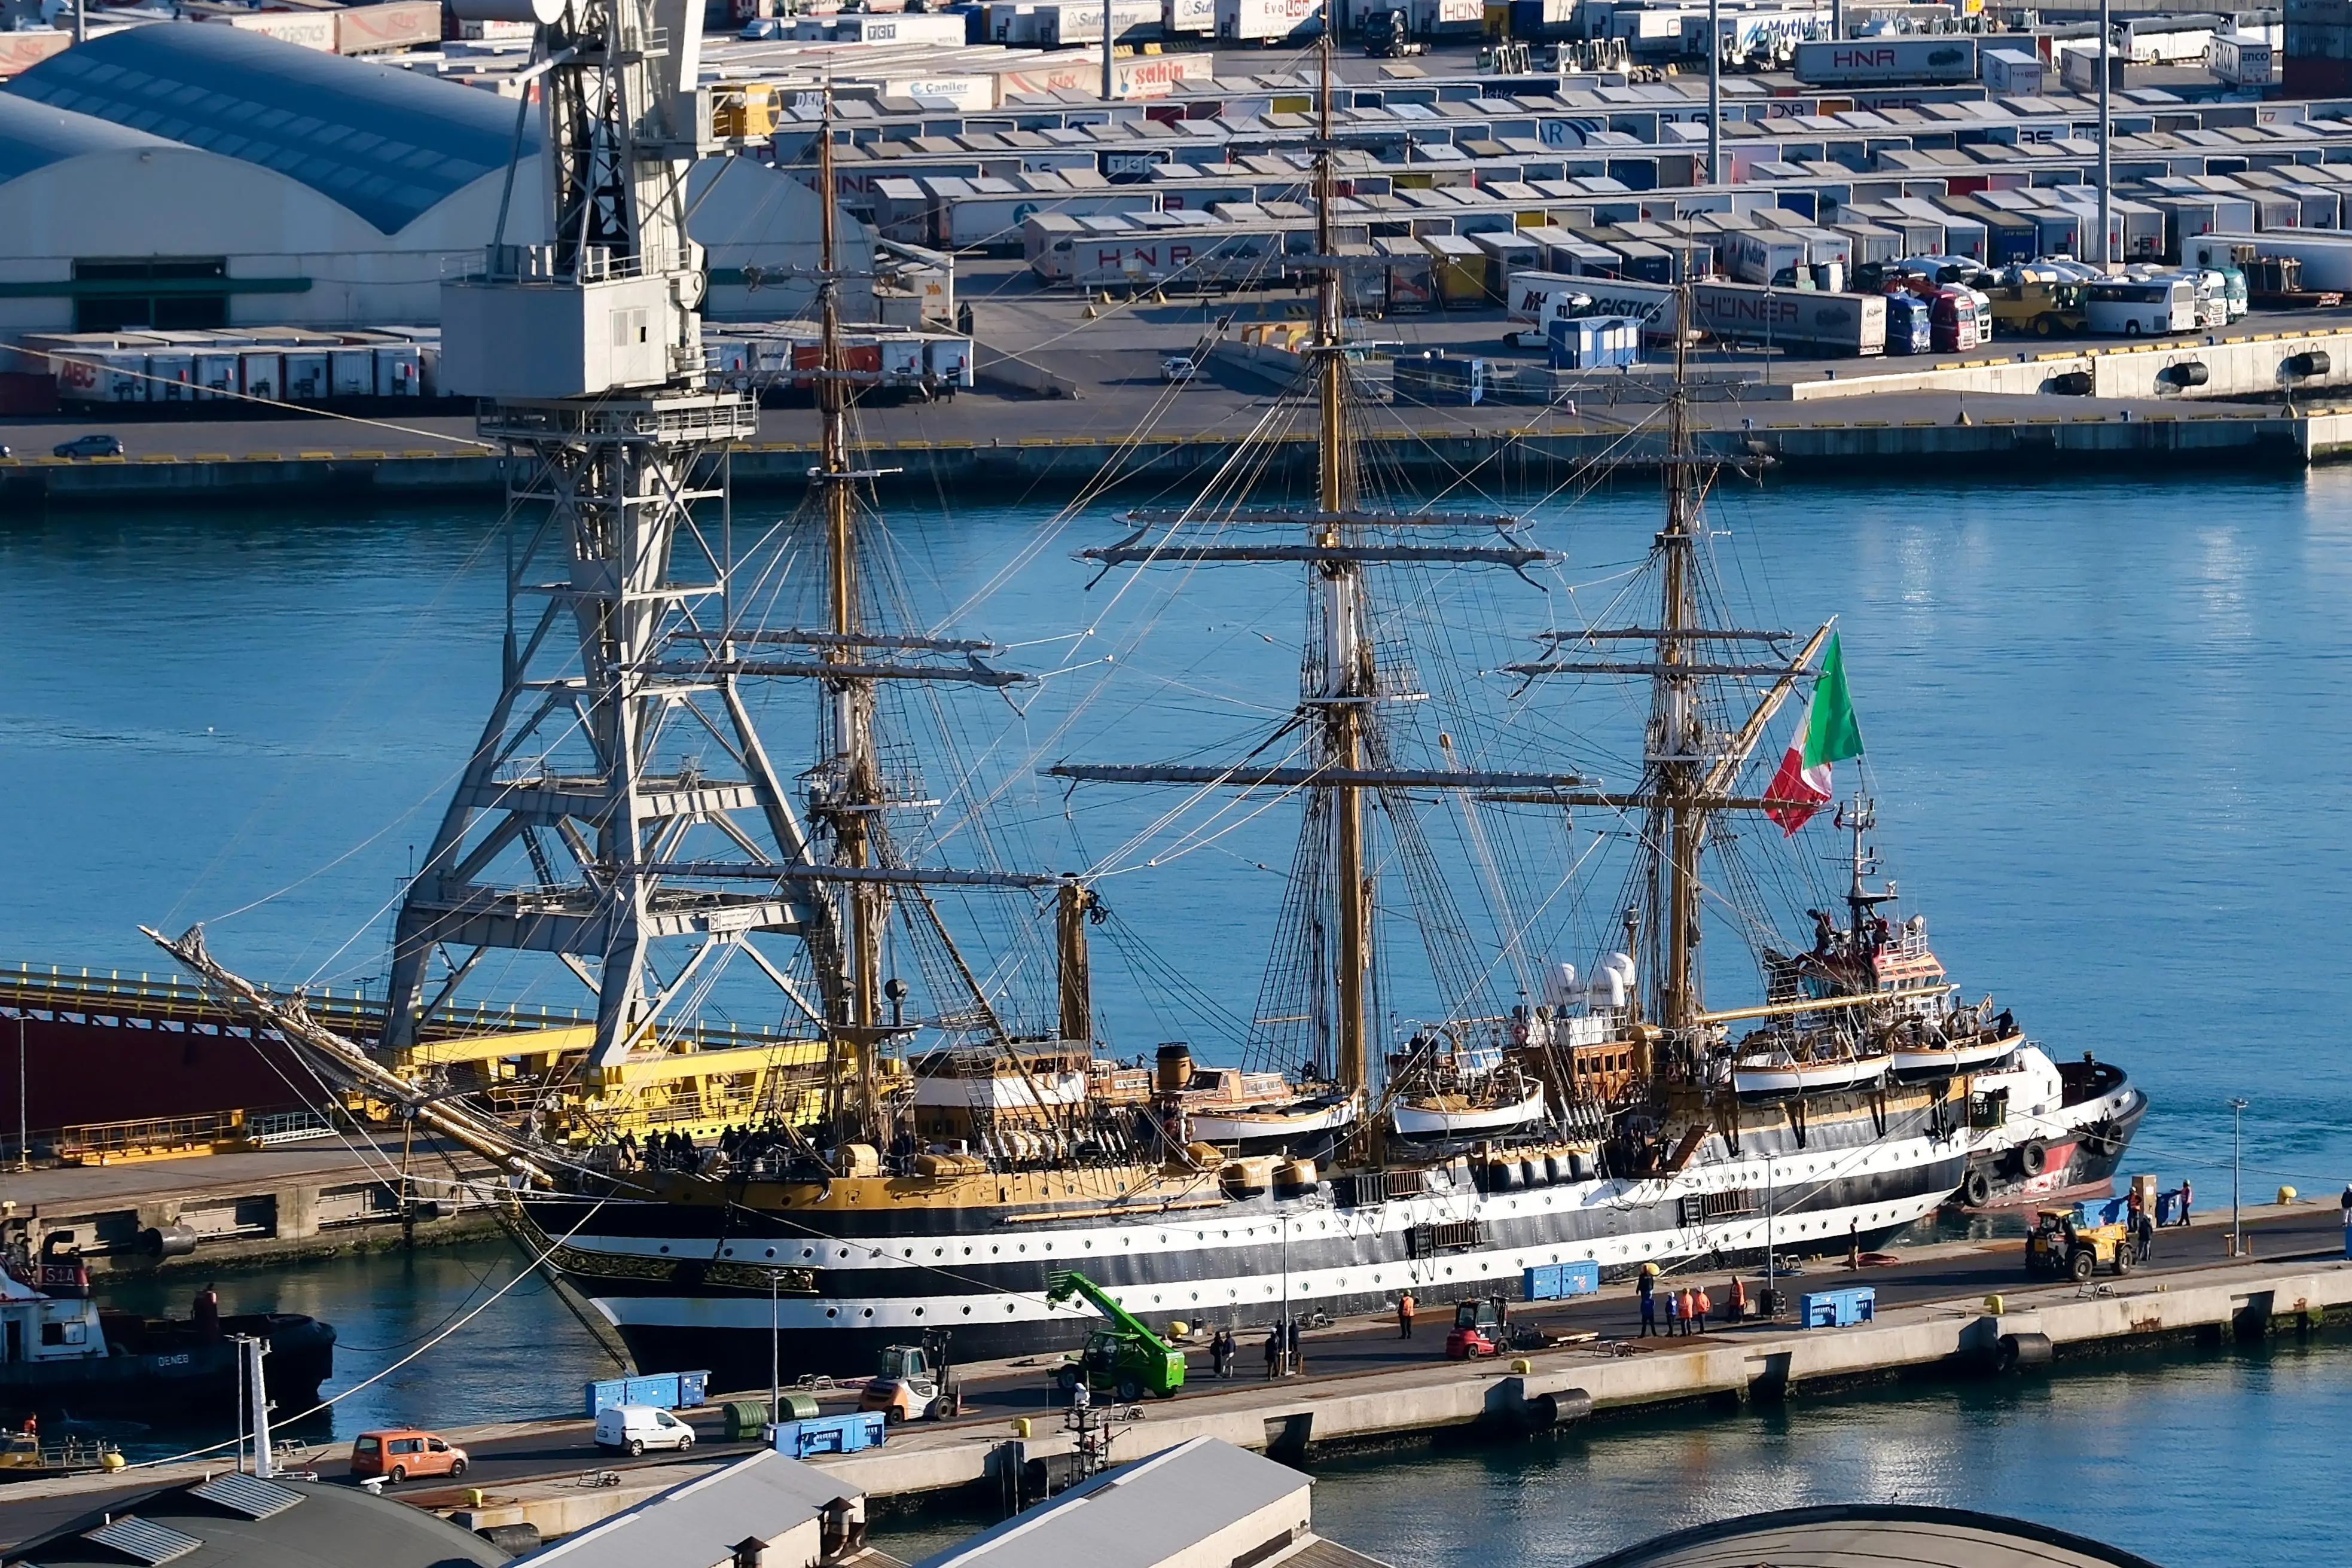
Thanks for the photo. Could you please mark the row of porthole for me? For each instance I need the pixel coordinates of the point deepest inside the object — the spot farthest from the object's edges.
(1022, 1247)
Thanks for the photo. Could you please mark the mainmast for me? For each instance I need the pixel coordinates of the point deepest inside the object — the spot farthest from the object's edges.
(851, 800)
(1677, 750)
(1347, 760)
(1347, 677)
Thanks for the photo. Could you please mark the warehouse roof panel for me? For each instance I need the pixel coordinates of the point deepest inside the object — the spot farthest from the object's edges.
(388, 144)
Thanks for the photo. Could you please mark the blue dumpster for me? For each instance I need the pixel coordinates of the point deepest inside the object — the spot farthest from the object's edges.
(1837, 1309)
(831, 1434)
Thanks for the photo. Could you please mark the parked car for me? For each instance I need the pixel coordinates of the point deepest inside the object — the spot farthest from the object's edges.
(404, 1453)
(91, 446)
(634, 1428)
(1178, 367)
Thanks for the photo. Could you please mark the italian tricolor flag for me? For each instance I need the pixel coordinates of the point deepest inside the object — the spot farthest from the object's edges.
(1801, 785)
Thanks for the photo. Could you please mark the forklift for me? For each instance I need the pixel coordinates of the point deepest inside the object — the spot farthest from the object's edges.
(1482, 1327)
(2076, 1244)
(916, 1384)
(1124, 1356)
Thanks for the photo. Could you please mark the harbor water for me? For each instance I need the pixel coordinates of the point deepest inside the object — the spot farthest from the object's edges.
(2107, 724)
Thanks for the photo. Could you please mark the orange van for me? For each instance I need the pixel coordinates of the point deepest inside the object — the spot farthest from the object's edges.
(404, 1453)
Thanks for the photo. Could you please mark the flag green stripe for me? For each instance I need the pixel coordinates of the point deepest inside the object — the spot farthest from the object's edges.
(1830, 733)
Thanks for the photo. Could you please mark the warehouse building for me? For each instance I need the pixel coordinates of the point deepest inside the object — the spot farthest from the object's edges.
(182, 176)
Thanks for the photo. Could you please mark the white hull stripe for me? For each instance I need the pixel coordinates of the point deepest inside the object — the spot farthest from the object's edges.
(1177, 1231)
(1180, 1298)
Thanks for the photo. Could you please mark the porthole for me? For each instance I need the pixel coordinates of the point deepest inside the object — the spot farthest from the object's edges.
(665, 1247)
(771, 1252)
(728, 1252)
(833, 1311)
(967, 1311)
(869, 1312)
(919, 1312)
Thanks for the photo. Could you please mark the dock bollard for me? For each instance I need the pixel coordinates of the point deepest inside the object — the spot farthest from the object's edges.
(1523, 1366)
(1993, 1304)
(1020, 1426)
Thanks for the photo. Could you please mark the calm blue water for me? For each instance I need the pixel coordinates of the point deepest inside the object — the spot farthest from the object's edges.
(2107, 727)
(2108, 732)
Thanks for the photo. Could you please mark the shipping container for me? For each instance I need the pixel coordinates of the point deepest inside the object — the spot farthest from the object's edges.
(2242, 59)
(215, 375)
(1764, 256)
(948, 360)
(306, 378)
(399, 370)
(1268, 21)
(1846, 323)
(1460, 268)
(2013, 73)
(1506, 253)
(306, 29)
(1412, 274)
(1075, 22)
(1850, 62)
(2327, 258)
(663, 1391)
(1189, 18)
(350, 373)
(261, 374)
(392, 25)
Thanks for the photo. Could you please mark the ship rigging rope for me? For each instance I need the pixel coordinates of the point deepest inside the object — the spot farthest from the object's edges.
(525, 1273)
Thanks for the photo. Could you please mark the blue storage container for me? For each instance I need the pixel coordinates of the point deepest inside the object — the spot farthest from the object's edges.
(1556, 1281)
(846, 1433)
(663, 1391)
(1837, 1309)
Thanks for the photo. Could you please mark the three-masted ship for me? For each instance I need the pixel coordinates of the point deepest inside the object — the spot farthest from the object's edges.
(1619, 1115)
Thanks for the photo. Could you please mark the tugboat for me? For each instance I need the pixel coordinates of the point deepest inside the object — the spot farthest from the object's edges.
(60, 1351)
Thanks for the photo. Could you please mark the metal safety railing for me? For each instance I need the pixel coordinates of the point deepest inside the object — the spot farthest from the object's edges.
(149, 1135)
(54, 989)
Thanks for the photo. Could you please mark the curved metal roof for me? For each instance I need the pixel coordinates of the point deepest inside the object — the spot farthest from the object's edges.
(34, 135)
(384, 143)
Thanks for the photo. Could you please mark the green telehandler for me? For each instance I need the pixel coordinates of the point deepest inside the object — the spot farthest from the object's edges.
(1124, 1356)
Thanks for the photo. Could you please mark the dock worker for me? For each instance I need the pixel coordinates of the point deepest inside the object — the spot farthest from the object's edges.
(1273, 1350)
(1853, 1244)
(2143, 1230)
(1735, 1307)
(1700, 1307)
(1647, 1288)
(1221, 1353)
(1404, 1302)
(1298, 1356)
(2186, 1194)
(1674, 1313)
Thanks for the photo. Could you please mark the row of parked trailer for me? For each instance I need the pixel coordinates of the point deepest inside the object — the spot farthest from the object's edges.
(314, 368)
(292, 367)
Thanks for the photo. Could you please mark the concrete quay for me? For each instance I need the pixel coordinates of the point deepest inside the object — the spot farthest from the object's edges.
(1541, 1390)
(270, 1205)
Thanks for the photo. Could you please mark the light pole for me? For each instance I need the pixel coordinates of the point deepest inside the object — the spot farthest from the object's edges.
(24, 1138)
(775, 1357)
(2237, 1169)
(1283, 1326)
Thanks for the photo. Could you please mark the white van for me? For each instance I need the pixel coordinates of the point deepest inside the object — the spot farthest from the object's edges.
(634, 1428)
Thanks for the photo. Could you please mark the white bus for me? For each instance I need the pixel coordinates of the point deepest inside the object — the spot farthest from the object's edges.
(2131, 307)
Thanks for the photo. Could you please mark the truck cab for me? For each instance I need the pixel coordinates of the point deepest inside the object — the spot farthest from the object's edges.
(1388, 36)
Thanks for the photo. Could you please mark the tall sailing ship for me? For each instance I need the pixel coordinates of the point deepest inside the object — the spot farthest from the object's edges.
(937, 1168)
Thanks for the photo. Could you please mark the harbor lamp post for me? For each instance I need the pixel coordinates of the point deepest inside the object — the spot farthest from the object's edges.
(2237, 1169)
(775, 1356)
